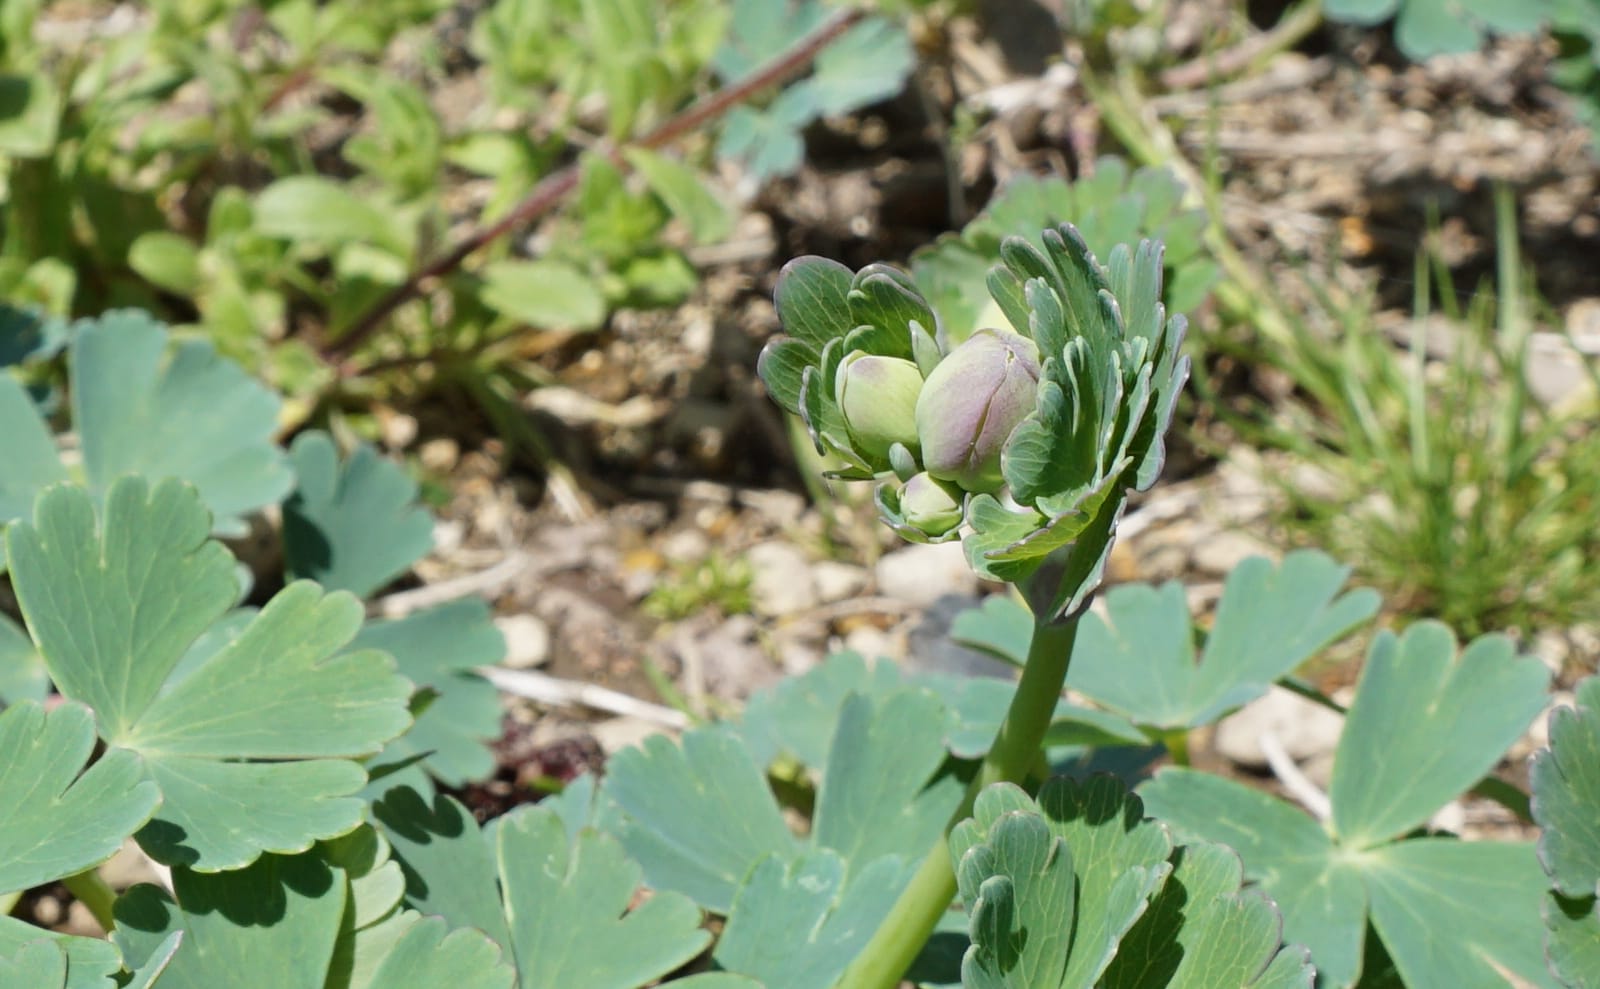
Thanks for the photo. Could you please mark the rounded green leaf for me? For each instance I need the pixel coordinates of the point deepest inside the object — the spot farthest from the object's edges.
(1566, 795)
(798, 922)
(168, 261)
(90, 962)
(318, 209)
(544, 294)
(563, 908)
(1141, 660)
(1053, 886)
(354, 526)
(253, 746)
(430, 955)
(27, 450)
(277, 919)
(58, 818)
(437, 650)
(180, 412)
(685, 194)
(1426, 725)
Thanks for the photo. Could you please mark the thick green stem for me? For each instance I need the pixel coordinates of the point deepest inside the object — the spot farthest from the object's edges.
(910, 923)
(90, 889)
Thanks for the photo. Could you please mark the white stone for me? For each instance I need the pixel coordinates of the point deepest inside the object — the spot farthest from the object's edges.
(1452, 817)
(874, 643)
(686, 546)
(837, 581)
(921, 574)
(1224, 551)
(1303, 728)
(780, 579)
(621, 733)
(527, 641)
(448, 534)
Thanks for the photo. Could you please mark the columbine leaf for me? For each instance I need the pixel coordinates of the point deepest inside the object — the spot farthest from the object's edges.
(437, 650)
(585, 934)
(1425, 28)
(1001, 626)
(876, 797)
(90, 962)
(1106, 392)
(696, 815)
(354, 526)
(1270, 620)
(252, 749)
(59, 818)
(870, 62)
(27, 335)
(1419, 733)
(157, 963)
(1064, 877)
(451, 866)
(1454, 913)
(430, 955)
(1572, 939)
(180, 412)
(1111, 207)
(562, 906)
(1323, 899)
(1425, 726)
(1202, 931)
(1566, 794)
(22, 672)
(1566, 805)
(26, 449)
(277, 919)
(799, 923)
(39, 964)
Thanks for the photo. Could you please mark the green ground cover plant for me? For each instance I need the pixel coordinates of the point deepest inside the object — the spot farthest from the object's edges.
(288, 760)
(282, 179)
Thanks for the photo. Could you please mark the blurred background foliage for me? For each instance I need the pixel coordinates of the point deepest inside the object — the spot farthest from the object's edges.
(364, 203)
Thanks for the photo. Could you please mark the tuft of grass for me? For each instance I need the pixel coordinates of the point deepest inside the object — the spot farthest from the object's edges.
(1446, 482)
(716, 582)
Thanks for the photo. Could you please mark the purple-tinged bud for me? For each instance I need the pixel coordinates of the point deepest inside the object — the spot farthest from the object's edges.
(878, 399)
(930, 505)
(970, 404)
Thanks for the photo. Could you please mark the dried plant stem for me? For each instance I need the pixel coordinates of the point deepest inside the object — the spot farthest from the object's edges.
(903, 933)
(551, 191)
(1208, 68)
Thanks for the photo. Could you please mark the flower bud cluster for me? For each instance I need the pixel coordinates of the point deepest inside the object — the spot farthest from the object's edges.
(1018, 437)
(931, 426)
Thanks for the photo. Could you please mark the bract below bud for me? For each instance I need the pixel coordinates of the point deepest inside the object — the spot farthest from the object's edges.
(878, 398)
(970, 404)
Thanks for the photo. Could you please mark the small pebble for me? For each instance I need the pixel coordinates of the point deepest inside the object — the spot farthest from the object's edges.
(921, 574)
(780, 580)
(1303, 728)
(527, 641)
(837, 581)
(1218, 555)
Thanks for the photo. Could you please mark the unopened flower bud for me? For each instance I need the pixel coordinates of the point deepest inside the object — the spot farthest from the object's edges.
(930, 505)
(878, 398)
(970, 404)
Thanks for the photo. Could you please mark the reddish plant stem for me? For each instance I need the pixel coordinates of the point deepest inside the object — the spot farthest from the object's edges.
(554, 188)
